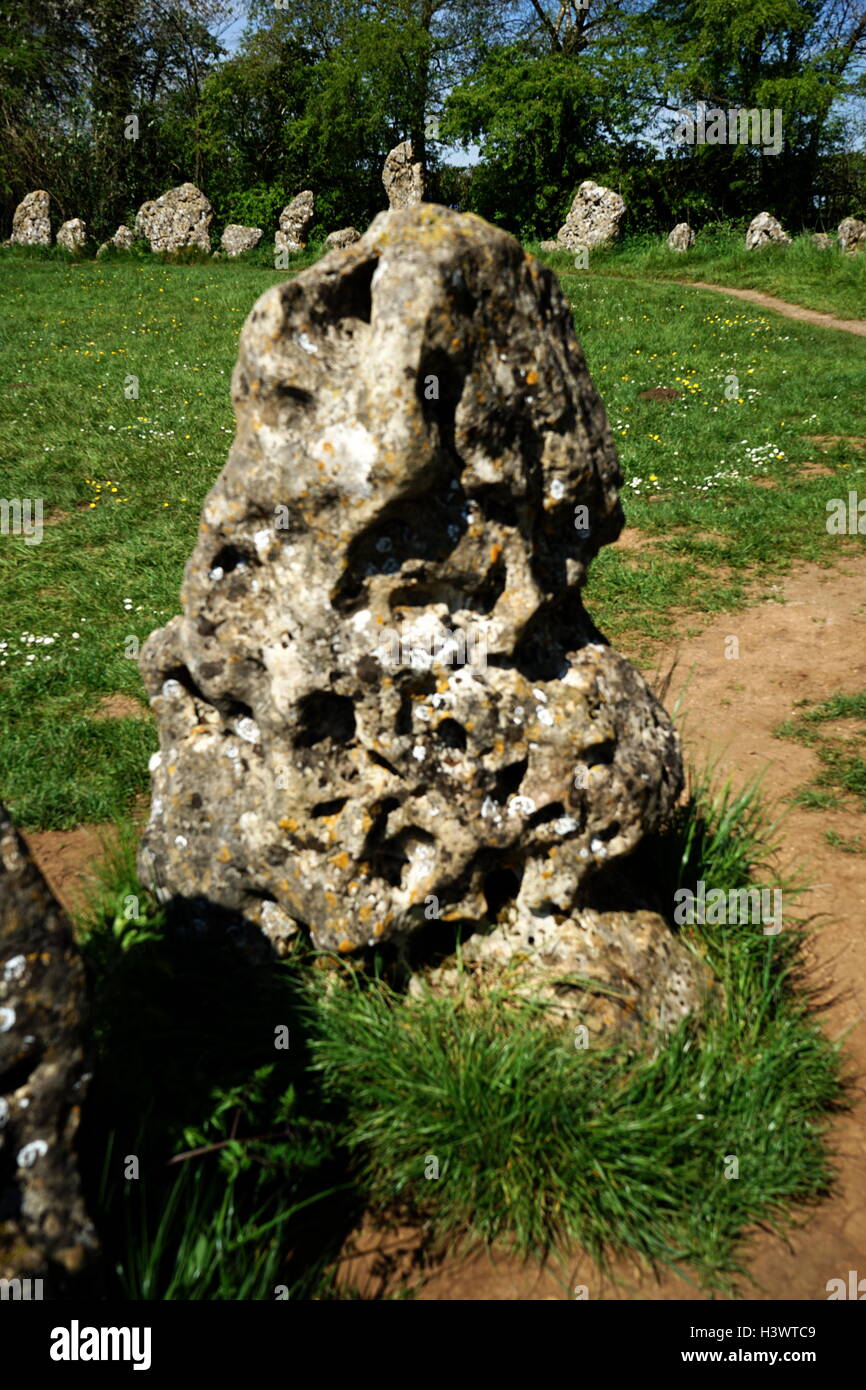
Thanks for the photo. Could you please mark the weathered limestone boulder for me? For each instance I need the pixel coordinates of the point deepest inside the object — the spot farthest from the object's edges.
(765, 230)
(549, 246)
(852, 235)
(237, 239)
(384, 701)
(45, 1232)
(403, 177)
(346, 236)
(31, 225)
(822, 241)
(181, 217)
(594, 220)
(72, 235)
(682, 238)
(618, 972)
(296, 219)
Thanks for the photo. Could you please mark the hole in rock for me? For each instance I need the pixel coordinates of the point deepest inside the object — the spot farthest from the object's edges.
(21, 1071)
(547, 813)
(329, 808)
(500, 886)
(324, 715)
(508, 780)
(381, 761)
(610, 832)
(451, 734)
(230, 558)
(356, 291)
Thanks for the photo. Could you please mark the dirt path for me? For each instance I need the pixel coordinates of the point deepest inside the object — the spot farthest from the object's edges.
(781, 306)
(809, 645)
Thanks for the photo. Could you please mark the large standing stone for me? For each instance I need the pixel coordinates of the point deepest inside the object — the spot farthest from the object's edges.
(852, 235)
(237, 239)
(72, 235)
(181, 217)
(682, 238)
(44, 1229)
(338, 241)
(594, 219)
(31, 225)
(384, 693)
(403, 178)
(296, 219)
(765, 230)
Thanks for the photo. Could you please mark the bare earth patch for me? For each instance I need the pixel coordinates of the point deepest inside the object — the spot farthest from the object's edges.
(781, 306)
(120, 707)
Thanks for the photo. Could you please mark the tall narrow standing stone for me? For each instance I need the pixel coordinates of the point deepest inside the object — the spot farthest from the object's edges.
(384, 692)
(403, 178)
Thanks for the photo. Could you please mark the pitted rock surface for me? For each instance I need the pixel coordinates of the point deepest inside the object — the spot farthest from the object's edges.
(345, 236)
(682, 238)
(237, 239)
(31, 224)
(296, 219)
(181, 217)
(851, 235)
(594, 220)
(403, 177)
(384, 690)
(765, 230)
(618, 972)
(44, 1229)
(72, 235)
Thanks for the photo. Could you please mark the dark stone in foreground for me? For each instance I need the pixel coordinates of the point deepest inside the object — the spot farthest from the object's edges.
(45, 1233)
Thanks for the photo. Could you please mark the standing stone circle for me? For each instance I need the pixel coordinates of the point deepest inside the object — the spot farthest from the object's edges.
(682, 238)
(296, 219)
(384, 690)
(181, 217)
(594, 220)
(72, 235)
(31, 224)
(236, 239)
(403, 178)
(45, 1232)
(346, 236)
(852, 235)
(765, 230)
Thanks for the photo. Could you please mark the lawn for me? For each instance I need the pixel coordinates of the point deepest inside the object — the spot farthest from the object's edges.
(716, 480)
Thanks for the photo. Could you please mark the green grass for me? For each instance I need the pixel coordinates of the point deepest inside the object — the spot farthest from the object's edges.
(828, 281)
(841, 782)
(540, 1146)
(123, 479)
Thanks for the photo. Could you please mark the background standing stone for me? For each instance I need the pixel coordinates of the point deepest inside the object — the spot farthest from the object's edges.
(296, 219)
(594, 220)
(31, 224)
(403, 178)
(181, 217)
